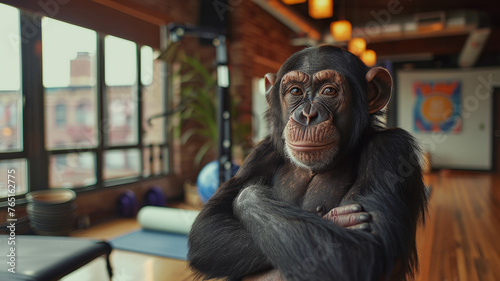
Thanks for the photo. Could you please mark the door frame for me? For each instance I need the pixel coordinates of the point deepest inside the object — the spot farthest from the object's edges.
(496, 97)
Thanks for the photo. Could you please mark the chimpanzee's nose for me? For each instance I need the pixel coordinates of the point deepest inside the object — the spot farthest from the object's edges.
(310, 112)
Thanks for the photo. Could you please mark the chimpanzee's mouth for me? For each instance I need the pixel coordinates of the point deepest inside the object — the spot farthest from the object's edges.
(309, 146)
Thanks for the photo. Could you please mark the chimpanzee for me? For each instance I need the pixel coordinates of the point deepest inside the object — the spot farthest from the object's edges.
(330, 194)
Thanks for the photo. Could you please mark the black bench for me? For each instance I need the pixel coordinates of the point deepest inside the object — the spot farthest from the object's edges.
(47, 258)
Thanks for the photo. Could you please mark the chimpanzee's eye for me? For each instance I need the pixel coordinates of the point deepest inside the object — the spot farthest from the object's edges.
(296, 91)
(329, 91)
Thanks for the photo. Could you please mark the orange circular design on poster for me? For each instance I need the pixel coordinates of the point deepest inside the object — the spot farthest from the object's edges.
(437, 108)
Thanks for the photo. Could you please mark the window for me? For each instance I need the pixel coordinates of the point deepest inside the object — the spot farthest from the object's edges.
(10, 81)
(60, 115)
(121, 90)
(72, 170)
(121, 164)
(153, 104)
(69, 78)
(13, 160)
(153, 160)
(86, 117)
(153, 97)
(18, 170)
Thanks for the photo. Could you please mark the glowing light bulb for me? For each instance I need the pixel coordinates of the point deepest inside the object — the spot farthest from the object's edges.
(292, 2)
(341, 30)
(320, 9)
(369, 57)
(357, 46)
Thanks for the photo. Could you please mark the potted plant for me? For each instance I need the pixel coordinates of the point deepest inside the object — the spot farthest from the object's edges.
(198, 105)
(196, 111)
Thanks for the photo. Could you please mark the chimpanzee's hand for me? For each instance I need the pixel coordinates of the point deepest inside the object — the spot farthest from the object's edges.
(350, 216)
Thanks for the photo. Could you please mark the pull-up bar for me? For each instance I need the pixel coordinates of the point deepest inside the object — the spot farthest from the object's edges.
(175, 33)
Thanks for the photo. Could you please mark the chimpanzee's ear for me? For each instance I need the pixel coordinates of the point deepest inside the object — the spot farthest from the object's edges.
(379, 90)
(270, 79)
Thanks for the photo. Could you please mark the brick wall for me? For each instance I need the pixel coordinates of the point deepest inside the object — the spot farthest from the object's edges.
(259, 45)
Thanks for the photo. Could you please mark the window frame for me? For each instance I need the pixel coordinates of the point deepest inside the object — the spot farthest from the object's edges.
(33, 122)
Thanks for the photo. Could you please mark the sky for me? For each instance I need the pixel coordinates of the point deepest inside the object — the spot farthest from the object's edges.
(10, 65)
(60, 44)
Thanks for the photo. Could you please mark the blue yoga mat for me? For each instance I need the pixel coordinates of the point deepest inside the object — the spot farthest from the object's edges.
(164, 233)
(163, 244)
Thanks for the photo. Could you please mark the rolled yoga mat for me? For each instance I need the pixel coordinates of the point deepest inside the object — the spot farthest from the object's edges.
(164, 232)
(165, 219)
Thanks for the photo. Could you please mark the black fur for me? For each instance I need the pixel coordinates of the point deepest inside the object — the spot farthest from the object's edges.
(246, 228)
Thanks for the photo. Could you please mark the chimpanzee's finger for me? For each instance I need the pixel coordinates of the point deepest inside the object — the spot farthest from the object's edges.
(343, 210)
(350, 219)
(362, 226)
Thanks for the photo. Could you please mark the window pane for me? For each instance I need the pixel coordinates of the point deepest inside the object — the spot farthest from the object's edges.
(153, 99)
(121, 90)
(153, 160)
(69, 77)
(18, 171)
(121, 163)
(10, 81)
(165, 160)
(72, 170)
(146, 164)
(157, 160)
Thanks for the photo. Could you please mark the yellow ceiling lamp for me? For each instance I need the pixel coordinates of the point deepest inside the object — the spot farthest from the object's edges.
(292, 2)
(320, 9)
(341, 30)
(357, 46)
(369, 57)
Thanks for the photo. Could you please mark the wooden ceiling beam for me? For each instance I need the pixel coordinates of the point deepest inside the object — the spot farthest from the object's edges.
(436, 45)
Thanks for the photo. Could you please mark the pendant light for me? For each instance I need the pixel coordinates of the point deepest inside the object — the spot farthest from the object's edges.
(341, 30)
(357, 46)
(369, 57)
(292, 2)
(320, 9)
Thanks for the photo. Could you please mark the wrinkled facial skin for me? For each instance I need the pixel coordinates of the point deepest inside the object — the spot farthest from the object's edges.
(316, 110)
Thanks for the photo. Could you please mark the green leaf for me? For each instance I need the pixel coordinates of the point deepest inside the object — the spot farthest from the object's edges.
(189, 76)
(201, 69)
(198, 103)
(202, 152)
(191, 132)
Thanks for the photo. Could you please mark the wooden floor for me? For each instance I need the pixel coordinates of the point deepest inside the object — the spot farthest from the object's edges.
(460, 241)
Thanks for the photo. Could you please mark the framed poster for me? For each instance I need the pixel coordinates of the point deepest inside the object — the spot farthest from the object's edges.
(437, 106)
